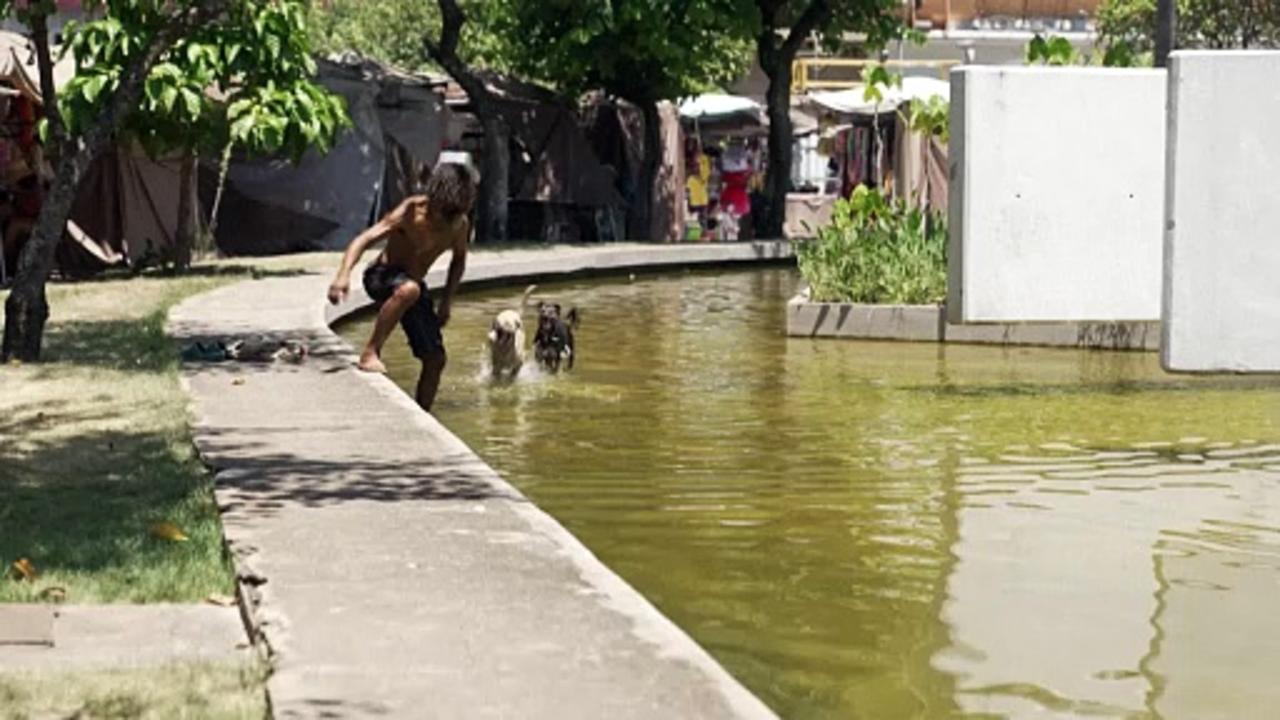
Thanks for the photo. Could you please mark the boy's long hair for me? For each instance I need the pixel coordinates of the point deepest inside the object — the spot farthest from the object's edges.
(450, 191)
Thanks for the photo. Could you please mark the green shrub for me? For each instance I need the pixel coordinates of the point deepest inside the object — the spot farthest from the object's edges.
(877, 251)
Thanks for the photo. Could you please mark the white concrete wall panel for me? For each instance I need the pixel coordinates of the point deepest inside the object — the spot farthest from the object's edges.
(1057, 182)
(1221, 306)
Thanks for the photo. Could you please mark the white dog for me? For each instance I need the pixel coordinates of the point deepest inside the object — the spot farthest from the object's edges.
(506, 340)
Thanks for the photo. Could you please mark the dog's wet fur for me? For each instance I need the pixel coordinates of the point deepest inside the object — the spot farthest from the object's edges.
(553, 345)
(506, 340)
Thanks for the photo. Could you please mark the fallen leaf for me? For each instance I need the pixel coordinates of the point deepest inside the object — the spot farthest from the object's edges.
(220, 600)
(168, 531)
(22, 569)
(53, 594)
(238, 381)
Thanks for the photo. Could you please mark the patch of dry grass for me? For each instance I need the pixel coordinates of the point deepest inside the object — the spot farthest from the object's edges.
(196, 690)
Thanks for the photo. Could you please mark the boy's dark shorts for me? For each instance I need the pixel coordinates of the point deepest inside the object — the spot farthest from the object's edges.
(419, 322)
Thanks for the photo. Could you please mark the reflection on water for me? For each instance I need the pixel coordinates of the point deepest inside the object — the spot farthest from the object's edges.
(900, 530)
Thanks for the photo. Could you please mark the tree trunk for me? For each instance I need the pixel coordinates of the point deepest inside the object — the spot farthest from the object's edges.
(491, 214)
(495, 182)
(185, 236)
(27, 308)
(777, 178)
(642, 214)
(776, 59)
(48, 88)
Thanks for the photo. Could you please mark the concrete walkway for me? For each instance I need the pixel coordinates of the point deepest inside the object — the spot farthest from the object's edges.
(114, 637)
(391, 572)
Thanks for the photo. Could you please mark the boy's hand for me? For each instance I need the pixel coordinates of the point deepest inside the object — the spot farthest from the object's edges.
(443, 312)
(338, 290)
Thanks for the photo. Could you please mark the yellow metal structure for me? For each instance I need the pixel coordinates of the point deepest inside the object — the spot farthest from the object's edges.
(803, 70)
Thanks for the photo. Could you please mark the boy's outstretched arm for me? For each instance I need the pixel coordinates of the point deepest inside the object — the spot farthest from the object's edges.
(342, 281)
(457, 266)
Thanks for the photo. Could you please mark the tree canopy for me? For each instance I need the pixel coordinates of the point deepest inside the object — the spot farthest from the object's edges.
(246, 79)
(1213, 24)
(641, 50)
(154, 69)
(391, 31)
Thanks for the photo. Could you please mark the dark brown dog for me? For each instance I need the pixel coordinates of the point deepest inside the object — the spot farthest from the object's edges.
(553, 344)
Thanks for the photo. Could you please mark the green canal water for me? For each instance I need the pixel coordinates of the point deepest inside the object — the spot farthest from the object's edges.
(881, 530)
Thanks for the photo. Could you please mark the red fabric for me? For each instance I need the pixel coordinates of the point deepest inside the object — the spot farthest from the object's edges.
(26, 112)
(734, 195)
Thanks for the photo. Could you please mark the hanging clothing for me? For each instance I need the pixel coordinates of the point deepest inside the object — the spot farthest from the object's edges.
(734, 196)
(698, 184)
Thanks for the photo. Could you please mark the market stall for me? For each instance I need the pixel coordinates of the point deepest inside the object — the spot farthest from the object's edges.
(870, 142)
(724, 162)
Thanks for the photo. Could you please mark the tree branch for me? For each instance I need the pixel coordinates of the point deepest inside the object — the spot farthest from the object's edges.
(767, 40)
(48, 89)
(815, 15)
(129, 91)
(445, 52)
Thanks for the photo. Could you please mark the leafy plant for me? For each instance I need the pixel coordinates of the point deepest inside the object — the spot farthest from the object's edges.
(877, 250)
(877, 80)
(1053, 50)
(931, 117)
(1057, 50)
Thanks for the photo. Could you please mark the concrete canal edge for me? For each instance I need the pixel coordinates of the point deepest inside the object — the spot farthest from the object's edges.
(384, 567)
(928, 323)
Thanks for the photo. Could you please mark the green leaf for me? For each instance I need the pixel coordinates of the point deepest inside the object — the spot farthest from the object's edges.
(1119, 54)
(192, 100)
(93, 86)
(168, 97)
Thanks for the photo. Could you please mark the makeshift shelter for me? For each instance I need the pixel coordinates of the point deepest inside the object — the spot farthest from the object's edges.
(274, 206)
(560, 189)
(126, 209)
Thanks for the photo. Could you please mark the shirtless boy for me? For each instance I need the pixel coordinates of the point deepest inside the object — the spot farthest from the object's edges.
(417, 232)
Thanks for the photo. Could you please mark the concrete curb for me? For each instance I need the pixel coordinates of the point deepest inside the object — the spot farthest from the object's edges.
(928, 323)
(529, 266)
(504, 612)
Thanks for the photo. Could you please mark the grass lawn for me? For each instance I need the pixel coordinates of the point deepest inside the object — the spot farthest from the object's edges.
(95, 447)
(199, 690)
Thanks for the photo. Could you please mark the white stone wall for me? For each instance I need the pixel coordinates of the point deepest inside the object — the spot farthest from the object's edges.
(1057, 185)
(1221, 307)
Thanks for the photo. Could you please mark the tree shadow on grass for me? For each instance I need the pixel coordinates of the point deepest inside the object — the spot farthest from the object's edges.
(80, 508)
(129, 345)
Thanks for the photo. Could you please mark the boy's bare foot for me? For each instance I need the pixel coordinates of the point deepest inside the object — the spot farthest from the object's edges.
(370, 362)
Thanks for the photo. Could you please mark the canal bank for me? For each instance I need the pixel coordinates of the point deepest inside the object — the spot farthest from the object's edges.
(389, 570)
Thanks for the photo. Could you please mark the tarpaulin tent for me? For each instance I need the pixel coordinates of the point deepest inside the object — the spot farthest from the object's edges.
(560, 187)
(126, 208)
(399, 125)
